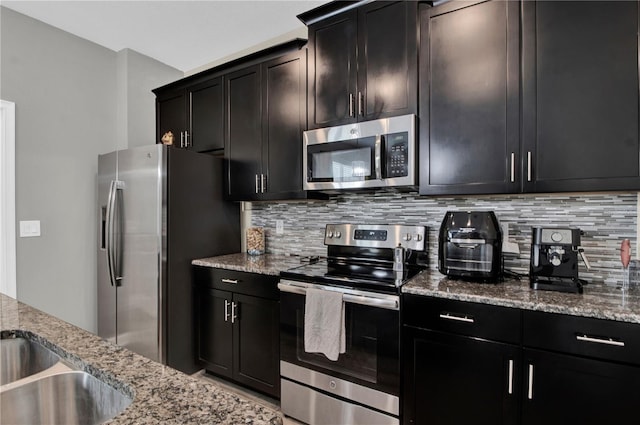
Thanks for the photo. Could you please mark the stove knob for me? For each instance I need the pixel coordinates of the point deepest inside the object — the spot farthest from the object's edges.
(407, 237)
(338, 234)
(329, 234)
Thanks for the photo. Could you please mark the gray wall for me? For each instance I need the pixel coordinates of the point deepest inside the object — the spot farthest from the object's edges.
(69, 108)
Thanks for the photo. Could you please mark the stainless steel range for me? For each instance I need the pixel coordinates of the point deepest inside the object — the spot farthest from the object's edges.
(366, 265)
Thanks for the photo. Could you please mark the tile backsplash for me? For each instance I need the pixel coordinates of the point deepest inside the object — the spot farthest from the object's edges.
(605, 218)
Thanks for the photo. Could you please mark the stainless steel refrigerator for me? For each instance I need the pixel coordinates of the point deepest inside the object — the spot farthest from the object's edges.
(158, 208)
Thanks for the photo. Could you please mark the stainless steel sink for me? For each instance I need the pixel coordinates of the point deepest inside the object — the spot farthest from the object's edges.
(20, 357)
(67, 398)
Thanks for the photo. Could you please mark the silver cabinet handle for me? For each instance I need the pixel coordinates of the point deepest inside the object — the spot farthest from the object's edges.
(513, 167)
(263, 183)
(232, 281)
(360, 104)
(226, 310)
(182, 139)
(465, 319)
(378, 157)
(234, 316)
(187, 143)
(510, 388)
(351, 111)
(529, 166)
(609, 341)
(257, 184)
(530, 389)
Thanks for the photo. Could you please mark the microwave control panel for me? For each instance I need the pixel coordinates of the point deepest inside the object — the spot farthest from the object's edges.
(397, 147)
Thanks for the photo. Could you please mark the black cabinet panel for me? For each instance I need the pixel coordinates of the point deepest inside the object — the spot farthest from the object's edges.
(285, 116)
(333, 71)
(215, 336)
(453, 380)
(244, 131)
(387, 59)
(257, 343)
(564, 390)
(171, 115)
(580, 96)
(206, 104)
(469, 123)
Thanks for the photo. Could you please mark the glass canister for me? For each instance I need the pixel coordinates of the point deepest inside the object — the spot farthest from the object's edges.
(255, 240)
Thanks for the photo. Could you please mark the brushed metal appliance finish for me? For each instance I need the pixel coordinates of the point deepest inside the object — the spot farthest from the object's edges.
(67, 398)
(370, 299)
(332, 385)
(412, 237)
(375, 128)
(315, 408)
(20, 357)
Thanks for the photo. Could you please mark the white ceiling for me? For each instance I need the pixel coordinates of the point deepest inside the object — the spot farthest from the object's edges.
(184, 34)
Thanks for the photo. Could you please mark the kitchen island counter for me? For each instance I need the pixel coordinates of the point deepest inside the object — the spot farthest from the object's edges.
(598, 301)
(160, 393)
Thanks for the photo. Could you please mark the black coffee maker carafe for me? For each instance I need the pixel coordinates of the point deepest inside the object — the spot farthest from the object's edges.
(554, 259)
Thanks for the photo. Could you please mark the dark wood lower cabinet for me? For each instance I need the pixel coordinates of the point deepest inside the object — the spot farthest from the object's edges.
(557, 369)
(238, 319)
(562, 389)
(453, 380)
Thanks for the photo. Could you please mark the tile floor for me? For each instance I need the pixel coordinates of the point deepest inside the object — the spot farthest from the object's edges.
(251, 395)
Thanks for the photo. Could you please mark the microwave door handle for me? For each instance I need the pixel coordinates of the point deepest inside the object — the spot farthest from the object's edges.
(378, 156)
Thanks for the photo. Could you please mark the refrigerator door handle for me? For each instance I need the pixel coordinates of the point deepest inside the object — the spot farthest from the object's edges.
(111, 244)
(117, 234)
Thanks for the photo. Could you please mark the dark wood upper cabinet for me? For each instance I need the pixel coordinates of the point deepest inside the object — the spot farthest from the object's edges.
(194, 114)
(580, 96)
(469, 98)
(362, 64)
(206, 110)
(266, 115)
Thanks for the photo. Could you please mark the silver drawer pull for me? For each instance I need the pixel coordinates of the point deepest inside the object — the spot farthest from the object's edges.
(530, 389)
(609, 341)
(448, 316)
(234, 281)
(510, 377)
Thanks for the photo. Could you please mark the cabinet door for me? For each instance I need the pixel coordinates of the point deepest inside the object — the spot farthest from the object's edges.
(257, 343)
(206, 106)
(171, 115)
(580, 96)
(387, 60)
(285, 117)
(562, 390)
(469, 98)
(332, 71)
(215, 332)
(453, 380)
(244, 133)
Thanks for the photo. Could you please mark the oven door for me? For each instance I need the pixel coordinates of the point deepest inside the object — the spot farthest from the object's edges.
(372, 324)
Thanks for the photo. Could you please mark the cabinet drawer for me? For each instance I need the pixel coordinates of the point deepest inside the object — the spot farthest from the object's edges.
(604, 339)
(258, 285)
(463, 318)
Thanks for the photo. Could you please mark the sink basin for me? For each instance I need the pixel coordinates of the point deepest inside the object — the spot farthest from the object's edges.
(20, 357)
(67, 398)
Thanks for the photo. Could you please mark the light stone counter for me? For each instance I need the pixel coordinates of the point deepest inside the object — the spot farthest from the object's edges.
(597, 301)
(161, 395)
(262, 264)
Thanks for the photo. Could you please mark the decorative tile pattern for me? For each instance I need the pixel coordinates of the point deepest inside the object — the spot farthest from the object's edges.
(605, 218)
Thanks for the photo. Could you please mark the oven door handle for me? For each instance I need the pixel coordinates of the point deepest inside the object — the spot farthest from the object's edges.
(389, 302)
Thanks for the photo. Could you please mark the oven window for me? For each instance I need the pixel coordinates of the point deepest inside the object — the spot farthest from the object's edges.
(360, 359)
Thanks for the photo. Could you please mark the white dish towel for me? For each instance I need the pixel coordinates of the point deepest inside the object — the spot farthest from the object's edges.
(324, 330)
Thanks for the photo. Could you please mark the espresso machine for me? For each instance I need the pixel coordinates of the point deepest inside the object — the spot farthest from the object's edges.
(554, 259)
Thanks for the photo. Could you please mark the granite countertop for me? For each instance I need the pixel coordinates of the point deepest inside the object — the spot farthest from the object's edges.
(160, 394)
(597, 301)
(271, 264)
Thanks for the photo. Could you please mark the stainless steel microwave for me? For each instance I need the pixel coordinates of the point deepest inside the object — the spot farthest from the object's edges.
(370, 154)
